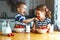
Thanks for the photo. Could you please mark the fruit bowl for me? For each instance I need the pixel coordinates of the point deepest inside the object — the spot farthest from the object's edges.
(19, 29)
(42, 30)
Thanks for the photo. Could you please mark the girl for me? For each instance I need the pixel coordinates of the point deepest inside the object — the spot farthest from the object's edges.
(42, 21)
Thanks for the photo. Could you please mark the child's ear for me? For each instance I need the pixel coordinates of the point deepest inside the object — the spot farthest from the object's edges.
(18, 9)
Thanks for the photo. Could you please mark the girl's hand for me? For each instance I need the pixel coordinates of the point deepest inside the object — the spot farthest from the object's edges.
(34, 30)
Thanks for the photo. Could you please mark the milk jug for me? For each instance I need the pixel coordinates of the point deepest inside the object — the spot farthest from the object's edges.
(6, 28)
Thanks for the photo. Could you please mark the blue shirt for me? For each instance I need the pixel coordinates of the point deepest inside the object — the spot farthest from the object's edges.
(43, 23)
(19, 19)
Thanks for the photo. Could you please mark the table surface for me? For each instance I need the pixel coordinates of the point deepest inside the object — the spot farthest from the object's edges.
(32, 36)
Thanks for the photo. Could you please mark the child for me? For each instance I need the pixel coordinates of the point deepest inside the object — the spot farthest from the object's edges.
(42, 21)
(20, 17)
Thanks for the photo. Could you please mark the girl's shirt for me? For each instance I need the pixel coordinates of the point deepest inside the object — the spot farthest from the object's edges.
(19, 19)
(42, 23)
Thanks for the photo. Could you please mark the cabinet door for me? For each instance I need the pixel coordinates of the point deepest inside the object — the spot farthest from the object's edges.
(0, 26)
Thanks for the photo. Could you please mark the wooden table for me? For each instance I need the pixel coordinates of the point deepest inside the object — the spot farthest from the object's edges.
(32, 36)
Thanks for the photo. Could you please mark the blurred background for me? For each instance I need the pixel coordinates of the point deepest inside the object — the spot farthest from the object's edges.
(8, 10)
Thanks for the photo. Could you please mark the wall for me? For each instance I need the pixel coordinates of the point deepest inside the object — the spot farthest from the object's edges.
(5, 7)
(50, 5)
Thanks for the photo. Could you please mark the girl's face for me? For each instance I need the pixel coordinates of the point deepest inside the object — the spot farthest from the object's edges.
(22, 9)
(40, 14)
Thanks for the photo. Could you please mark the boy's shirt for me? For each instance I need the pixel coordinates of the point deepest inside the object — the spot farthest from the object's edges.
(43, 23)
(19, 19)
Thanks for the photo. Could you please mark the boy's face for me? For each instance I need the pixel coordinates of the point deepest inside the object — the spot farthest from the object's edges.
(22, 9)
(40, 14)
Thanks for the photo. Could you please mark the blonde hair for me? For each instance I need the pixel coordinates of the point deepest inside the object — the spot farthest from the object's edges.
(43, 7)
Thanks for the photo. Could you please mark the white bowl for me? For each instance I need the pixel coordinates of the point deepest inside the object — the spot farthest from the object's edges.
(19, 29)
(42, 30)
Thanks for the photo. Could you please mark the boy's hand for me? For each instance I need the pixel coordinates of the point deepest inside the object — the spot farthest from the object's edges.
(35, 19)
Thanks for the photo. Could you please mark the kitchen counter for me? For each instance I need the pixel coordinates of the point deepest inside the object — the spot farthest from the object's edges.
(32, 36)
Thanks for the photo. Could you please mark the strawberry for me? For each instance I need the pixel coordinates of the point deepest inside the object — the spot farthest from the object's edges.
(35, 31)
(38, 17)
(12, 34)
(16, 26)
(38, 27)
(43, 27)
(9, 35)
(20, 27)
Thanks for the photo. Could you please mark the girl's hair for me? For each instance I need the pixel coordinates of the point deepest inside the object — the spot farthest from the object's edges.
(43, 7)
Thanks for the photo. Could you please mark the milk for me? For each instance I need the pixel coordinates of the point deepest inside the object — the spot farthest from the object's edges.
(6, 28)
(28, 28)
(51, 29)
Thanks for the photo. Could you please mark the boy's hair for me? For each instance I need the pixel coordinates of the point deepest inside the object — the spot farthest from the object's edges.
(19, 4)
(43, 7)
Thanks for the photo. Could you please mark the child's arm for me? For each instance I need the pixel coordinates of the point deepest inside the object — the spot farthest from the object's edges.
(33, 28)
(28, 20)
(48, 26)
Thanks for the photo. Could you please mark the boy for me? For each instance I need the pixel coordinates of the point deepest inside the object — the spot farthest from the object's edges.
(20, 18)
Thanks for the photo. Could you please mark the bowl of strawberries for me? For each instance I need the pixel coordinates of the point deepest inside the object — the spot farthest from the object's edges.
(19, 28)
(42, 30)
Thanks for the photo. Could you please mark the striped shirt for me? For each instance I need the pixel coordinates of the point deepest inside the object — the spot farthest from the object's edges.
(19, 19)
(43, 23)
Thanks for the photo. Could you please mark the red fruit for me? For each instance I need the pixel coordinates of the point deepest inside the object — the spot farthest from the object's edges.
(38, 17)
(16, 26)
(43, 27)
(9, 35)
(21, 26)
(12, 34)
(34, 18)
(39, 28)
(35, 31)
